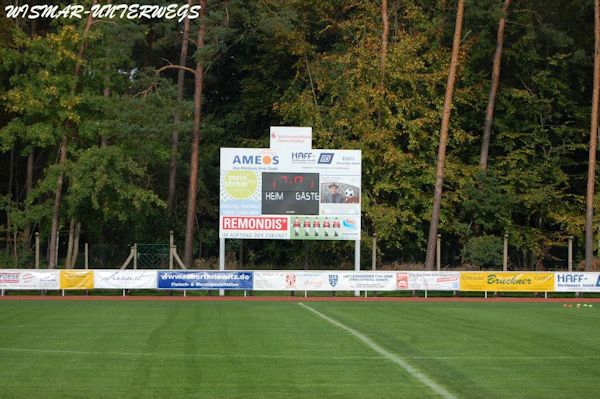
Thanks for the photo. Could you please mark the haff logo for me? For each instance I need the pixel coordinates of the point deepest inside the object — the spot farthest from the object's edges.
(303, 156)
(265, 158)
(273, 135)
(570, 278)
(598, 282)
(333, 280)
(325, 158)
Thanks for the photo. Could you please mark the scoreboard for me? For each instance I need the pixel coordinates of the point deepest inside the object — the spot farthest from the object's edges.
(285, 193)
(290, 193)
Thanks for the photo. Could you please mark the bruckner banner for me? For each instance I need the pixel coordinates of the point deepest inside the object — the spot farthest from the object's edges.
(205, 280)
(290, 191)
(507, 281)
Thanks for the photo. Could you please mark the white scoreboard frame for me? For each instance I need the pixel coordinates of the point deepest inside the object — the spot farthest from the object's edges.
(292, 159)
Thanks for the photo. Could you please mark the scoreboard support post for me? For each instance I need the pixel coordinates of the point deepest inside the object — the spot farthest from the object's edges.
(221, 259)
(357, 261)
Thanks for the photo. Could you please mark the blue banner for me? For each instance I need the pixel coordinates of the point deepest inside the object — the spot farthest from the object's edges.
(205, 280)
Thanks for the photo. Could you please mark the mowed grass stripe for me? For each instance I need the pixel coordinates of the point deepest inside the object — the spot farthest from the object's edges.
(262, 350)
(394, 358)
(491, 350)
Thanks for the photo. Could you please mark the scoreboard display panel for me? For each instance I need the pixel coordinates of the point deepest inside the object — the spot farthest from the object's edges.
(286, 194)
(290, 193)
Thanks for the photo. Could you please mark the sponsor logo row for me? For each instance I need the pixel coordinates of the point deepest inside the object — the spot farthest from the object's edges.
(15, 279)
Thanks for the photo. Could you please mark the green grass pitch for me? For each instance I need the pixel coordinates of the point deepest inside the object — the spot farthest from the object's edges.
(88, 349)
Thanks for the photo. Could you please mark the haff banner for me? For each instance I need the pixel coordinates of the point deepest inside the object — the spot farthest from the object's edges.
(324, 281)
(290, 191)
(125, 279)
(577, 282)
(432, 281)
(507, 281)
(76, 279)
(205, 280)
(12, 279)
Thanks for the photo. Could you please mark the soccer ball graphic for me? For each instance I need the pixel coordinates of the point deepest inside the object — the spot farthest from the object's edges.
(349, 193)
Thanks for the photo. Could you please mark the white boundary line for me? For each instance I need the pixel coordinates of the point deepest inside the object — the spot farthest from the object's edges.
(178, 355)
(438, 389)
(44, 351)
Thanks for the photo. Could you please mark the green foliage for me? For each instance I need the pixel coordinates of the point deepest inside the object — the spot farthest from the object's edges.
(484, 251)
(310, 63)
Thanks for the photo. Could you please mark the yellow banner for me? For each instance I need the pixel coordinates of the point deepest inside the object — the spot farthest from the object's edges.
(507, 281)
(76, 280)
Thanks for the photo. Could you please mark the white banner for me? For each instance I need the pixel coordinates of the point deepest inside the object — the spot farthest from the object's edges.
(324, 281)
(125, 279)
(577, 282)
(29, 279)
(434, 281)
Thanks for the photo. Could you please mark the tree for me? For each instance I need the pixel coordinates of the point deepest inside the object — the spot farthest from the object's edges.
(193, 182)
(589, 209)
(489, 112)
(177, 117)
(68, 129)
(439, 173)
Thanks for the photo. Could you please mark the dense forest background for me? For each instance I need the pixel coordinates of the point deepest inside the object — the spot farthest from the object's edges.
(96, 105)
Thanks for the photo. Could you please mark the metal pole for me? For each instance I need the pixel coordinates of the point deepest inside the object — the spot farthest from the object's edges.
(570, 258)
(86, 253)
(37, 250)
(171, 249)
(305, 255)
(241, 260)
(134, 256)
(374, 253)
(221, 259)
(505, 254)
(357, 260)
(438, 252)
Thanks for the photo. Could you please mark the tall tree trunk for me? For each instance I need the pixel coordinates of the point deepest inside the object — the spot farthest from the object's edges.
(28, 187)
(68, 260)
(11, 172)
(384, 41)
(177, 117)
(489, 112)
(193, 183)
(589, 208)
(75, 245)
(105, 94)
(385, 29)
(52, 257)
(441, 160)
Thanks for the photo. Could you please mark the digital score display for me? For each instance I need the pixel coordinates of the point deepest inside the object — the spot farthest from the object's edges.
(290, 193)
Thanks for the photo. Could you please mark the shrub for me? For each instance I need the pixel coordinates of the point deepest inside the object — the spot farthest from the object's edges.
(484, 251)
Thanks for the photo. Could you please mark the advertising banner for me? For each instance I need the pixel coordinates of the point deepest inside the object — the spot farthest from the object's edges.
(434, 281)
(290, 192)
(13, 279)
(507, 281)
(205, 280)
(577, 282)
(125, 279)
(324, 281)
(76, 279)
